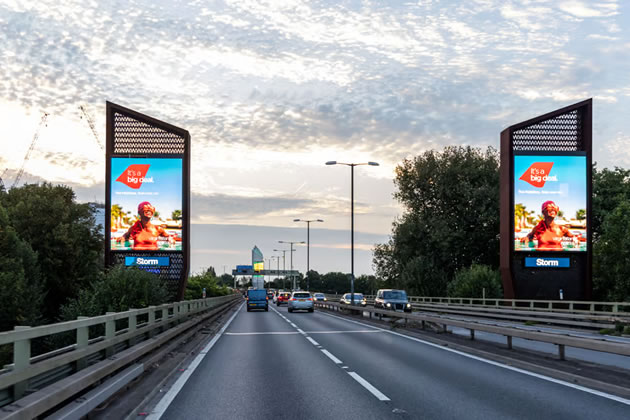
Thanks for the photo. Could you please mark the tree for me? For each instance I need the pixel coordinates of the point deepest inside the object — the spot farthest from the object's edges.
(226, 280)
(610, 188)
(336, 282)
(176, 215)
(367, 284)
(471, 282)
(314, 280)
(64, 234)
(611, 265)
(120, 289)
(450, 219)
(21, 291)
(206, 280)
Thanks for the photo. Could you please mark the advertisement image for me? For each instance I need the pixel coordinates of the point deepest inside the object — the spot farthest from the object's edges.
(146, 204)
(550, 203)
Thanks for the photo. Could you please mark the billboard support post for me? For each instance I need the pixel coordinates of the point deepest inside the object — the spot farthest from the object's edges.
(544, 253)
(151, 159)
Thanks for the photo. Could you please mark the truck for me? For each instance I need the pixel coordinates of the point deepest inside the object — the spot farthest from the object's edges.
(257, 299)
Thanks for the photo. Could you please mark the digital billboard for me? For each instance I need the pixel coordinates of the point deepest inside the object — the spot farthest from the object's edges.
(550, 201)
(146, 204)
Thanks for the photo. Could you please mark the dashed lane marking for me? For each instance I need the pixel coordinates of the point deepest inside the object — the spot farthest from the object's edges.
(378, 394)
(331, 356)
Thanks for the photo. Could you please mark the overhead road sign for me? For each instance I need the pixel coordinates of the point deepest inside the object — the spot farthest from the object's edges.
(250, 272)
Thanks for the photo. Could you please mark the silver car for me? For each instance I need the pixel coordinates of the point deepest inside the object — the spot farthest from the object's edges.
(301, 301)
(359, 300)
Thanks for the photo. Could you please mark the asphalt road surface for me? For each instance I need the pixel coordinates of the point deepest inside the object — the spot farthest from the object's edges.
(277, 365)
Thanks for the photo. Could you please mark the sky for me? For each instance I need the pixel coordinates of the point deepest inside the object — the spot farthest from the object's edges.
(271, 90)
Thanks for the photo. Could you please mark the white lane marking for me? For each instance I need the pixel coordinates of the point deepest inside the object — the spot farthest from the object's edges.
(341, 332)
(293, 325)
(168, 398)
(331, 357)
(378, 394)
(301, 332)
(266, 333)
(313, 342)
(501, 365)
(344, 367)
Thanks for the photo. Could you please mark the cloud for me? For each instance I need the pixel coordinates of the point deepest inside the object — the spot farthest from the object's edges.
(590, 10)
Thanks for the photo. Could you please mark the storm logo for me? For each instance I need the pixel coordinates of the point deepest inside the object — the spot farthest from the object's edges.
(135, 175)
(538, 173)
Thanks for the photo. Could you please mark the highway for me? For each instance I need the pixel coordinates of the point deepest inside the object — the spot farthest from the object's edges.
(319, 366)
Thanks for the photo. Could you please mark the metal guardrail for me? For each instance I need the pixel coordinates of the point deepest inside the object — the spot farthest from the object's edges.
(591, 307)
(561, 340)
(28, 373)
(526, 313)
(574, 306)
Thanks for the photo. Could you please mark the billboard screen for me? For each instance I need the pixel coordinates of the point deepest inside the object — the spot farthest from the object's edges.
(550, 203)
(146, 204)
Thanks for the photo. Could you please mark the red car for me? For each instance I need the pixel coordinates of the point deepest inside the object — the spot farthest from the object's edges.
(283, 298)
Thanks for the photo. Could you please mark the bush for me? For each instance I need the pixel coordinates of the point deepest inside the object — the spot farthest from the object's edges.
(207, 280)
(470, 282)
(119, 290)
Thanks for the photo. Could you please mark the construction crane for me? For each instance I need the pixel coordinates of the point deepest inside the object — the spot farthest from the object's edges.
(91, 124)
(30, 149)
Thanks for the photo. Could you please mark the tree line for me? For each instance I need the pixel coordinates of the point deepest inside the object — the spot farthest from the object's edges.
(446, 242)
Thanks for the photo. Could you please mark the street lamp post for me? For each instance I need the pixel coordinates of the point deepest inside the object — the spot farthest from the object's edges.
(284, 265)
(277, 258)
(308, 246)
(351, 165)
(292, 250)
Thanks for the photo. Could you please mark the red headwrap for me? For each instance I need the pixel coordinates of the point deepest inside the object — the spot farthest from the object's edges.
(141, 207)
(546, 203)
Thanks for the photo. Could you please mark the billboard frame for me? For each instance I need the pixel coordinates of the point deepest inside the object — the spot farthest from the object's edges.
(143, 136)
(552, 133)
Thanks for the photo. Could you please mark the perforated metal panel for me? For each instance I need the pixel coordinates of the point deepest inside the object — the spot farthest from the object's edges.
(171, 275)
(562, 133)
(134, 136)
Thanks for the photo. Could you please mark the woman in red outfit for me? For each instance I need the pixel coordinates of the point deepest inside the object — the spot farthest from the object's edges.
(549, 234)
(144, 233)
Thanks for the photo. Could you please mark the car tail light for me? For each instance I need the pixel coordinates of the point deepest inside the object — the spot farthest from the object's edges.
(309, 299)
(293, 299)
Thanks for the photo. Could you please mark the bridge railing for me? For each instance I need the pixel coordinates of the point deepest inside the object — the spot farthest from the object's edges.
(118, 331)
(573, 306)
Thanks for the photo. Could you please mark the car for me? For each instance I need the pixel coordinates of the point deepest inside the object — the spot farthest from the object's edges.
(301, 301)
(359, 299)
(283, 297)
(257, 299)
(319, 297)
(270, 293)
(393, 299)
